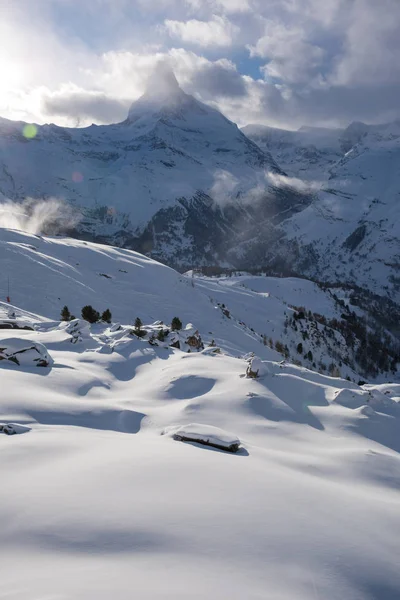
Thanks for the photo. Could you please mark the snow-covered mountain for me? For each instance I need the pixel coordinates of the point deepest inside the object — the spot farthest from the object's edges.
(307, 153)
(99, 496)
(176, 179)
(180, 182)
(351, 232)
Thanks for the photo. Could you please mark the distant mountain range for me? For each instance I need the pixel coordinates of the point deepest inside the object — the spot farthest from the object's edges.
(351, 231)
(180, 182)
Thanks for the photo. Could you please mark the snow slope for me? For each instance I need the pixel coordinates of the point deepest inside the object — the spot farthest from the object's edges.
(308, 153)
(97, 502)
(353, 227)
(350, 232)
(241, 314)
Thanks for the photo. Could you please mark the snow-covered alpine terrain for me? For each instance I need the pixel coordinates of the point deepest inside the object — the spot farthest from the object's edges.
(181, 183)
(176, 179)
(350, 232)
(101, 494)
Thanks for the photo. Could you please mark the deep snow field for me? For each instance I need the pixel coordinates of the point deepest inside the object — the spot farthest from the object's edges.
(96, 503)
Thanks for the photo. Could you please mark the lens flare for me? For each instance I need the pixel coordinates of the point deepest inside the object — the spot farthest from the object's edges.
(77, 177)
(29, 131)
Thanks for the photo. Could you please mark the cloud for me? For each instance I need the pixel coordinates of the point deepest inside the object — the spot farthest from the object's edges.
(219, 31)
(224, 188)
(84, 105)
(299, 185)
(290, 58)
(224, 6)
(278, 62)
(49, 216)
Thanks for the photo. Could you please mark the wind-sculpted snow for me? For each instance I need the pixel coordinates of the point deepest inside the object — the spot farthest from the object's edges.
(97, 502)
(237, 314)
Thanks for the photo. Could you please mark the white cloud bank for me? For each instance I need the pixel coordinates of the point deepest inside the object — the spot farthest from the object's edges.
(217, 32)
(285, 63)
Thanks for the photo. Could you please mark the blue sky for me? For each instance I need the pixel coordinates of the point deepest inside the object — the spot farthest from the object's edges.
(283, 63)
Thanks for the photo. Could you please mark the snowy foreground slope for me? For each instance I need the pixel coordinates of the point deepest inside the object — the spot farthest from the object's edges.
(244, 313)
(97, 502)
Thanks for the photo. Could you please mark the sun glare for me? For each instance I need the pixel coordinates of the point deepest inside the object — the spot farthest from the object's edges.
(10, 75)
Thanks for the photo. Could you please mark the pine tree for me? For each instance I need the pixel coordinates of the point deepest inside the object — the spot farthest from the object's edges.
(176, 324)
(90, 314)
(138, 324)
(161, 336)
(106, 316)
(65, 314)
(300, 348)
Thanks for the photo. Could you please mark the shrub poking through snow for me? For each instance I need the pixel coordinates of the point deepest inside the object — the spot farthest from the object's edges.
(65, 314)
(161, 335)
(153, 340)
(176, 324)
(188, 339)
(77, 328)
(23, 352)
(208, 435)
(106, 316)
(90, 314)
(256, 368)
(194, 341)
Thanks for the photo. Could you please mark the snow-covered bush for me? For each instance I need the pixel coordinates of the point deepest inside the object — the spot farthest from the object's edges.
(187, 339)
(77, 328)
(256, 368)
(23, 352)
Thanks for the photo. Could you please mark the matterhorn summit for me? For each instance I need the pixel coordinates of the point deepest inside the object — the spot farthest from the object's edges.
(162, 91)
(176, 180)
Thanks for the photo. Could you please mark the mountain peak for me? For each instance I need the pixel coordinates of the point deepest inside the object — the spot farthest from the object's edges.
(162, 92)
(162, 82)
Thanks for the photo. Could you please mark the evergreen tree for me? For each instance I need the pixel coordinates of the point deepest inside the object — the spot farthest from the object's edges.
(65, 314)
(138, 324)
(300, 348)
(176, 324)
(90, 314)
(161, 336)
(106, 316)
